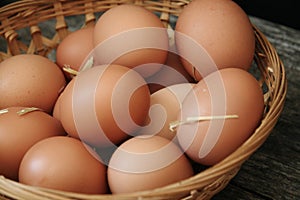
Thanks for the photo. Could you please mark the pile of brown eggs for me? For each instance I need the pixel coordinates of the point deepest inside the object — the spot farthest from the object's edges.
(129, 104)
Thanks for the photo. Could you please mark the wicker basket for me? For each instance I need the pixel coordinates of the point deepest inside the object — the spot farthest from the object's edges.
(28, 15)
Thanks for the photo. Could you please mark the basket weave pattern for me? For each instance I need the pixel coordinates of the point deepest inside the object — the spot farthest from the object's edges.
(28, 14)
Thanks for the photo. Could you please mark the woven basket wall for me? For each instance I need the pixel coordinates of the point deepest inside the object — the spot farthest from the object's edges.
(28, 15)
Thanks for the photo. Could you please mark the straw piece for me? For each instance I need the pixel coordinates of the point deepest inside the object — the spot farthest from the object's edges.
(3, 111)
(189, 120)
(28, 110)
(69, 70)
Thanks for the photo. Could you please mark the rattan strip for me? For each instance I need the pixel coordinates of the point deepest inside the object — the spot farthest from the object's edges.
(30, 12)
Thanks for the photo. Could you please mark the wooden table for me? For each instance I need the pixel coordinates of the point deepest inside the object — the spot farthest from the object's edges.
(273, 171)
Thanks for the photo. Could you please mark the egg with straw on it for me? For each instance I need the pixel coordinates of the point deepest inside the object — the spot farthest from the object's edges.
(74, 50)
(219, 114)
(104, 105)
(31, 81)
(21, 128)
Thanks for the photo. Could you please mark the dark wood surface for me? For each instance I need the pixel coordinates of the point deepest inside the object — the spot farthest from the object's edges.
(273, 171)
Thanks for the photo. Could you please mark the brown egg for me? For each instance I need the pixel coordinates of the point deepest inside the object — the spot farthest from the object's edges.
(164, 107)
(234, 99)
(19, 132)
(146, 162)
(173, 72)
(63, 163)
(139, 38)
(104, 105)
(75, 48)
(214, 29)
(30, 81)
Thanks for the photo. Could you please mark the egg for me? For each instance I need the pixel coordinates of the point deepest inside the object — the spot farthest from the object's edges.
(18, 132)
(214, 34)
(139, 38)
(171, 73)
(30, 81)
(65, 164)
(146, 162)
(219, 114)
(74, 49)
(104, 105)
(164, 107)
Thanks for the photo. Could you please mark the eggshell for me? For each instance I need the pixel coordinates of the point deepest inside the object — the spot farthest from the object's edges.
(65, 164)
(139, 38)
(222, 29)
(164, 107)
(227, 92)
(75, 48)
(19, 132)
(30, 81)
(104, 105)
(144, 162)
